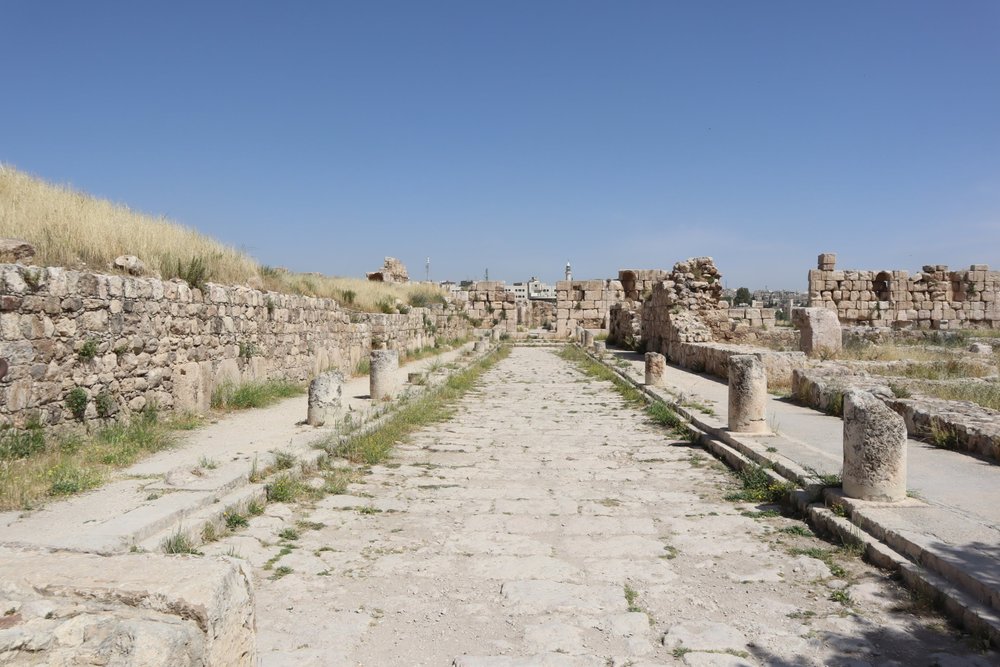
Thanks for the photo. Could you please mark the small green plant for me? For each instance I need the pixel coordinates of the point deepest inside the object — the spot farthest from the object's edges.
(207, 463)
(270, 306)
(363, 367)
(284, 460)
(209, 533)
(76, 401)
(178, 543)
(899, 391)
(281, 571)
(841, 596)
(284, 489)
(801, 531)
(69, 478)
(194, 273)
(289, 534)
(87, 351)
(105, 404)
(33, 278)
(942, 435)
(248, 349)
(255, 508)
(759, 487)
(631, 595)
(386, 306)
(236, 520)
(20, 444)
(348, 296)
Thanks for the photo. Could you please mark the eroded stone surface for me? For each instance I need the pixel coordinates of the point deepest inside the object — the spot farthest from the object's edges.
(548, 523)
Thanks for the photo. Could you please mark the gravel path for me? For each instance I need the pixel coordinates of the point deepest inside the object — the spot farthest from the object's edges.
(548, 523)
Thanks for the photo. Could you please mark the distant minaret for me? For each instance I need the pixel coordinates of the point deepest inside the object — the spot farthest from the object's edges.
(569, 272)
(487, 278)
(428, 267)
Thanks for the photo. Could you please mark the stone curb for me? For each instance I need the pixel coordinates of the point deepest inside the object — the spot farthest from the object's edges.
(925, 574)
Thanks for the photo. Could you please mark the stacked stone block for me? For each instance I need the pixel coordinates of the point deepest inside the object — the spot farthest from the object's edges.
(139, 341)
(585, 303)
(934, 298)
(491, 305)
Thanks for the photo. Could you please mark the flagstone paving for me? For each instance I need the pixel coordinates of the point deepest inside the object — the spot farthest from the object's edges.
(548, 523)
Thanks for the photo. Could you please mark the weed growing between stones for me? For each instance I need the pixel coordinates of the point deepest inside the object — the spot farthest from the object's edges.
(759, 487)
(178, 543)
(434, 406)
(284, 489)
(229, 396)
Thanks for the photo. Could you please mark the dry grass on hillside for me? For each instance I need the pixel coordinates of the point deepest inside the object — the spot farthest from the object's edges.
(73, 229)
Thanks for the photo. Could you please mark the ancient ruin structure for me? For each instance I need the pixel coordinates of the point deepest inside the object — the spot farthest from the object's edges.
(392, 271)
(934, 298)
(119, 343)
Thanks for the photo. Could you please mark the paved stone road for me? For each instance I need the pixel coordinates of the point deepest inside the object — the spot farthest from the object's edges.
(549, 524)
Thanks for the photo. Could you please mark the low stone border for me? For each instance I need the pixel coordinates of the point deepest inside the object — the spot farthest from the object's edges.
(961, 425)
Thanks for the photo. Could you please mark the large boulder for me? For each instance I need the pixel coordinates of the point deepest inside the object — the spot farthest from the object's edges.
(819, 331)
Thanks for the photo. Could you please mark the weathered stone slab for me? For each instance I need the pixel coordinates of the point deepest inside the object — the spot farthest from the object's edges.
(140, 609)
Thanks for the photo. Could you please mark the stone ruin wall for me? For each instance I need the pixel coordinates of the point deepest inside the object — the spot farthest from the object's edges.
(588, 303)
(585, 303)
(934, 298)
(489, 305)
(163, 342)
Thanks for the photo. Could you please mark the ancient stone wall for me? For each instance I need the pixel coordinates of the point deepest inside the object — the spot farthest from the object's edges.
(934, 298)
(128, 342)
(625, 324)
(490, 305)
(585, 303)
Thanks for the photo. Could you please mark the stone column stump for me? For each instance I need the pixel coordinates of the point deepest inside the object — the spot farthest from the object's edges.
(600, 347)
(481, 346)
(874, 449)
(324, 397)
(656, 367)
(588, 339)
(383, 382)
(747, 394)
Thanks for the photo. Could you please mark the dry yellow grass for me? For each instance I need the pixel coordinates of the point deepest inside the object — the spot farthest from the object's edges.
(73, 229)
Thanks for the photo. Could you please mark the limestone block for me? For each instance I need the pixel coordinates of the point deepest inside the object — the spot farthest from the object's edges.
(136, 609)
(819, 331)
(325, 394)
(826, 261)
(874, 449)
(656, 366)
(747, 394)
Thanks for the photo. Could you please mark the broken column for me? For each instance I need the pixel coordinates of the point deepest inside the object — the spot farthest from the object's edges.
(747, 394)
(600, 347)
(874, 449)
(324, 397)
(588, 339)
(819, 331)
(656, 366)
(383, 380)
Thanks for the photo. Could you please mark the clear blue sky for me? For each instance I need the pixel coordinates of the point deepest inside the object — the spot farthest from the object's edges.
(518, 135)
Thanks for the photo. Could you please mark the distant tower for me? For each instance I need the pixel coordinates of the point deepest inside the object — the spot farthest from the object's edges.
(487, 278)
(569, 272)
(428, 266)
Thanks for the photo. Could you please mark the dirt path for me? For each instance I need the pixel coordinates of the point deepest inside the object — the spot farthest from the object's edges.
(549, 524)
